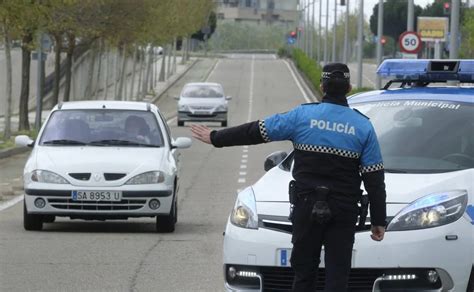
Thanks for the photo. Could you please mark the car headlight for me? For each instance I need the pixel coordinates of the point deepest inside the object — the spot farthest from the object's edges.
(44, 176)
(221, 108)
(430, 211)
(183, 108)
(244, 213)
(151, 177)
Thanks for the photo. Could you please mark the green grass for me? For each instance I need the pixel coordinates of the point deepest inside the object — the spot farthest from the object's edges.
(308, 66)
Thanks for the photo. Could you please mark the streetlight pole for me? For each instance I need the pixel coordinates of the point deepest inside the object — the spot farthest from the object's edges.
(334, 33)
(39, 87)
(319, 30)
(411, 16)
(453, 41)
(346, 34)
(326, 57)
(360, 29)
(312, 32)
(378, 82)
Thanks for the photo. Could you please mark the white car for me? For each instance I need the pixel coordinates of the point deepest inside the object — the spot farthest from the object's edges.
(426, 135)
(99, 160)
(203, 102)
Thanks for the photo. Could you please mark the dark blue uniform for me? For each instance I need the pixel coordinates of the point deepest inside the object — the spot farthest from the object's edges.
(335, 147)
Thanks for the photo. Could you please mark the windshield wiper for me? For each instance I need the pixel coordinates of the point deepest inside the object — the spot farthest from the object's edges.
(63, 142)
(115, 142)
(394, 170)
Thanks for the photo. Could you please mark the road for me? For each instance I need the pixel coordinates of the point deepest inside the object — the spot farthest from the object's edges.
(368, 74)
(129, 255)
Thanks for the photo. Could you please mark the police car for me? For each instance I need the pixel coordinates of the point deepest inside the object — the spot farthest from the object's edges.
(426, 134)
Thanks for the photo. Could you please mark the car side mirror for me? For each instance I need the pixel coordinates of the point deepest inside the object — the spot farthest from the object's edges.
(228, 97)
(182, 143)
(24, 141)
(274, 159)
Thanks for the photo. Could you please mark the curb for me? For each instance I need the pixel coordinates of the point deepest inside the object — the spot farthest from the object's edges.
(210, 71)
(308, 87)
(159, 95)
(13, 151)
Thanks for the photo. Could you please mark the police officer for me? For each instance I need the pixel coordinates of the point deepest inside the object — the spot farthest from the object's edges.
(335, 148)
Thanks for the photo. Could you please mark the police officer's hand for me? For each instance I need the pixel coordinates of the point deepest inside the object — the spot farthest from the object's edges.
(377, 233)
(201, 133)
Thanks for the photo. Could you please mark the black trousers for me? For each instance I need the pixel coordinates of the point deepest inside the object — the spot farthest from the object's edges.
(337, 236)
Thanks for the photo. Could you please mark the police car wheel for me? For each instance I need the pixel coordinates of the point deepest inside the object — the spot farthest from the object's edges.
(31, 222)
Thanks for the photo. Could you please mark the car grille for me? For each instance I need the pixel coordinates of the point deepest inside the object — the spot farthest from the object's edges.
(81, 176)
(69, 204)
(114, 176)
(281, 279)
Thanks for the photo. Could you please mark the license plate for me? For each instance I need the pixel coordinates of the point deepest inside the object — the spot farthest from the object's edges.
(284, 255)
(202, 112)
(112, 196)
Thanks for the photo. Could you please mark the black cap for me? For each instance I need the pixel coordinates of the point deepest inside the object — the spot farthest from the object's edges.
(336, 70)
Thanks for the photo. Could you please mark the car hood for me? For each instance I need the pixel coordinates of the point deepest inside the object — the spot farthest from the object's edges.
(401, 188)
(98, 160)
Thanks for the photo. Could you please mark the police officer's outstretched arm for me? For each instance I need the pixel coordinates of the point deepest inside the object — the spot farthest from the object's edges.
(277, 127)
(372, 171)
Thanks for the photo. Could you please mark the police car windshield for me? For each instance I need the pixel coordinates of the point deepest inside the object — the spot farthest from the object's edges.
(423, 136)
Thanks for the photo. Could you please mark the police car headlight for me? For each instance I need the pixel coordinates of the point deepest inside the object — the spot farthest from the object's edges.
(430, 211)
(244, 213)
(221, 108)
(152, 177)
(44, 176)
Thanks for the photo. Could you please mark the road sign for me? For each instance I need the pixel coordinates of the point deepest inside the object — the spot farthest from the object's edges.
(410, 42)
(291, 40)
(431, 29)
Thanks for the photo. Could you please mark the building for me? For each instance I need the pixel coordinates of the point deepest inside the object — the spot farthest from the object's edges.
(259, 11)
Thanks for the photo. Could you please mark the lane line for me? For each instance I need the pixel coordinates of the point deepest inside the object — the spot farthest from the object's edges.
(243, 173)
(245, 150)
(243, 161)
(11, 202)
(297, 82)
(243, 166)
(245, 156)
(241, 180)
(212, 71)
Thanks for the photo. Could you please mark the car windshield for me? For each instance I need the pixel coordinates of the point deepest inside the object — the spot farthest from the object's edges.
(202, 91)
(102, 128)
(423, 136)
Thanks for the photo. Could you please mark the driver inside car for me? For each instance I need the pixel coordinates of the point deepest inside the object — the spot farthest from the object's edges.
(137, 129)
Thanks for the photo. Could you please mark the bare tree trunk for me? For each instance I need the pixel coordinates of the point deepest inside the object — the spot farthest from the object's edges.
(163, 64)
(25, 81)
(106, 77)
(141, 53)
(168, 67)
(184, 44)
(174, 54)
(57, 67)
(7, 131)
(90, 73)
(123, 74)
(69, 59)
(99, 69)
(115, 73)
(134, 69)
(188, 48)
(148, 80)
(155, 66)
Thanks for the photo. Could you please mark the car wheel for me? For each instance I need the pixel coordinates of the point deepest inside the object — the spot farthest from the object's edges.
(167, 223)
(48, 218)
(31, 222)
(180, 123)
(224, 124)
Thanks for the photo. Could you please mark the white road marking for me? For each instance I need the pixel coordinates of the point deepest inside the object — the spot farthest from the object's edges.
(243, 166)
(243, 161)
(212, 71)
(252, 74)
(241, 180)
(245, 150)
(10, 203)
(297, 82)
(245, 155)
(243, 173)
(172, 120)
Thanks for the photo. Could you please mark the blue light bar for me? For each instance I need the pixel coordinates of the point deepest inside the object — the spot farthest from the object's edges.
(428, 70)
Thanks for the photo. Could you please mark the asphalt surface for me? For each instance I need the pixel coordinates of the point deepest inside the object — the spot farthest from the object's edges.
(129, 255)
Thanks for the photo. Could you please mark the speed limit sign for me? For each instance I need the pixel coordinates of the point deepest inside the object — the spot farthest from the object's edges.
(410, 42)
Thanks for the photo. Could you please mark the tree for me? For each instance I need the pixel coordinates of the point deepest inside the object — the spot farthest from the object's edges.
(395, 13)
(467, 45)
